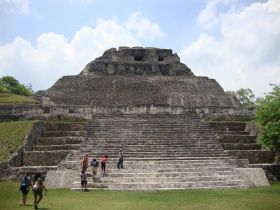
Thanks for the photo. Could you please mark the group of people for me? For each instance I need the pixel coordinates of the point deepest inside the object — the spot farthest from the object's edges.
(36, 184)
(94, 163)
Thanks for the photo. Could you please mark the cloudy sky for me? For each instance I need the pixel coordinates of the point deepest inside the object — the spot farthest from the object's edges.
(236, 42)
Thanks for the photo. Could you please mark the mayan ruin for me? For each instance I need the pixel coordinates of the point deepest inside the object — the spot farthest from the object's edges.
(176, 130)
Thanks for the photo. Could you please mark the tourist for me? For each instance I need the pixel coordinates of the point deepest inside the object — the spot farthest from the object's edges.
(83, 181)
(94, 163)
(120, 162)
(38, 191)
(103, 161)
(24, 188)
(85, 163)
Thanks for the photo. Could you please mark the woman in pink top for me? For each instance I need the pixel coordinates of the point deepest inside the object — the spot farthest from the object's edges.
(103, 161)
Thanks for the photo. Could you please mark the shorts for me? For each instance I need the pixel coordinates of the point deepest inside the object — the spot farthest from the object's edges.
(83, 182)
(94, 170)
(38, 192)
(24, 190)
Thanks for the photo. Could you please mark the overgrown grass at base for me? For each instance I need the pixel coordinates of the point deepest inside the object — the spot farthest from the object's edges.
(12, 136)
(8, 98)
(260, 198)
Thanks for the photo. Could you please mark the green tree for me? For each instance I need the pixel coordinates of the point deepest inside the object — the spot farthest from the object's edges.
(11, 85)
(244, 95)
(267, 119)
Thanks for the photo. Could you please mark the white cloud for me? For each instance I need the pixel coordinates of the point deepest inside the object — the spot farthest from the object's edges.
(54, 56)
(143, 27)
(209, 17)
(248, 54)
(15, 6)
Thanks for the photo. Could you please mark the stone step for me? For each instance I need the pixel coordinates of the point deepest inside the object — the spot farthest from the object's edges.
(228, 126)
(115, 159)
(59, 140)
(65, 126)
(182, 185)
(56, 147)
(19, 172)
(168, 179)
(148, 148)
(227, 133)
(129, 174)
(63, 133)
(254, 156)
(151, 170)
(238, 139)
(166, 155)
(241, 146)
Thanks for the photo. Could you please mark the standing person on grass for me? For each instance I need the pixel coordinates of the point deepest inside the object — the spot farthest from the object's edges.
(38, 191)
(120, 162)
(103, 161)
(24, 188)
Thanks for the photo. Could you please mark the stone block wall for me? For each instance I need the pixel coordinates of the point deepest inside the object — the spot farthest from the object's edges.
(46, 158)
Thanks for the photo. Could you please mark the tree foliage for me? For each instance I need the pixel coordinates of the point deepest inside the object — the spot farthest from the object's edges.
(268, 118)
(9, 84)
(244, 95)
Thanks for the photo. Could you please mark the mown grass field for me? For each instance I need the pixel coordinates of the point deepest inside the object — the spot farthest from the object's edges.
(12, 135)
(260, 198)
(7, 98)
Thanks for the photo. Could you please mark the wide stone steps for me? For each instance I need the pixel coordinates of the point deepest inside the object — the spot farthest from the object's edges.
(160, 152)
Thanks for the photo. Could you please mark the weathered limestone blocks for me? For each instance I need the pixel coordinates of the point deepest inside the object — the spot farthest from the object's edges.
(62, 126)
(134, 91)
(44, 158)
(228, 126)
(254, 156)
(137, 61)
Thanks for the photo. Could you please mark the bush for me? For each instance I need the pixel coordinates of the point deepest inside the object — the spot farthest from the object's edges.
(11, 85)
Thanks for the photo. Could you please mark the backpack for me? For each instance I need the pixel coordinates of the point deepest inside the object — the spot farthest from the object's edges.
(24, 183)
(94, 164)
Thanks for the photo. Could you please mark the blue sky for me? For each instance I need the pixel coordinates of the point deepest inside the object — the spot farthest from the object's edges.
(236, 42)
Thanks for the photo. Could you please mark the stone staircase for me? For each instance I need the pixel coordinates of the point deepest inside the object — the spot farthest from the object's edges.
(239, 143)
(161, 152)
(57, 141)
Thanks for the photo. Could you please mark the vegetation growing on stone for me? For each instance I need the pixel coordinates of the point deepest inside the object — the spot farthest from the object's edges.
(244, 95)
(12, 136)
(268, 119)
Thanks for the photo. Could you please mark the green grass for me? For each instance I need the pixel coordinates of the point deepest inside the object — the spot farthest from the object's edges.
(7, 98)
(260, 198)
(12, 135)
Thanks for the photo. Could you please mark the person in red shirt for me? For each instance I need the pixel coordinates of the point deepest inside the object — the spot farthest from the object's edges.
(103, 161)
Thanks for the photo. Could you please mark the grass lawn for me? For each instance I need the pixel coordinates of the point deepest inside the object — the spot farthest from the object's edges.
(7, 98)
(12, 135)
(266, 198)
